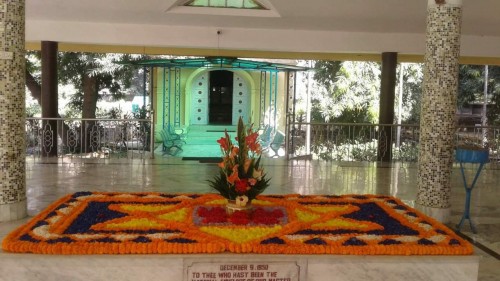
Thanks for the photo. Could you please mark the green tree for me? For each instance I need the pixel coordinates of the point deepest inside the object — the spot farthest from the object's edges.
(93, 76)
(346, 91)
(493, 113)
(327, 73)
(471, 89)
(470, 84)
(412, 92)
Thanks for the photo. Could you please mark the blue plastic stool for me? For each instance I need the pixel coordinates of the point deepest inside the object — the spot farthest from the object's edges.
(470, 156)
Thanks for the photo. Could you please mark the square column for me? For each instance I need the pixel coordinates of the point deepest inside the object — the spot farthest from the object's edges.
(439, 105)
(49, 97)
(386, 107)
(12, 111)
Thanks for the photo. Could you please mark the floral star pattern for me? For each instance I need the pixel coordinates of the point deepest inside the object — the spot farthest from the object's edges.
(141, 223)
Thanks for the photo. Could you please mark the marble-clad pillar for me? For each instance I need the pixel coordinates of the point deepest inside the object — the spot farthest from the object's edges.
(438, 107)
(12, 111)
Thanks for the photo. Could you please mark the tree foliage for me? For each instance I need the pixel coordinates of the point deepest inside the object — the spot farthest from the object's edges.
(412, 91)
(471, 89)
(349, 91)
(93, 76)
(346, 91)
(493, 113)
(327, 73)
(470, 84)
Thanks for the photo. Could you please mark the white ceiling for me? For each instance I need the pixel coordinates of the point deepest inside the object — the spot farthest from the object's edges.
(328, 26)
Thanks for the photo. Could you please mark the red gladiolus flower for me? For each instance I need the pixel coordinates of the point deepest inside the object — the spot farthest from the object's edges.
(251, 138)
(242, 186)
(234, 176)
(240, 159)
(252, 143)
(224, 144)
(255, 148)
(234, 152)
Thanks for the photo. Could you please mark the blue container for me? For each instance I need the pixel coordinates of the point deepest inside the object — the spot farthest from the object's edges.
(472, 155)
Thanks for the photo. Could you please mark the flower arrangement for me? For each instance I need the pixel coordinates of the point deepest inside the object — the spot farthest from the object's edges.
(241, 178)
(279, 224)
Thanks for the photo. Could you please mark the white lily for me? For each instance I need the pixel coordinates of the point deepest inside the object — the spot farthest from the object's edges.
(241, 200)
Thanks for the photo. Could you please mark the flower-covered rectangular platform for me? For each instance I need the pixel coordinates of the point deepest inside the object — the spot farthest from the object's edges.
(154, 223)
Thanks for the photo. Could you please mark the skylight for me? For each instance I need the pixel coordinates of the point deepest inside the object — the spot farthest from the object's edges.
(234, 4)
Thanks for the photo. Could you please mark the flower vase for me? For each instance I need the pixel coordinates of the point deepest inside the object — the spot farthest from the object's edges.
(232, 207)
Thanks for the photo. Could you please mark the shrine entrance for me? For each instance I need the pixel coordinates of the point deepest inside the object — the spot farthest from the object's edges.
(221, 98)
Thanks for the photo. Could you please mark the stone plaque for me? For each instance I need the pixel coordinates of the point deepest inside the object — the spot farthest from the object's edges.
(251, 270)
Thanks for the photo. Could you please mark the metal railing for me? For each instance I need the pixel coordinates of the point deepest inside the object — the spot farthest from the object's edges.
(371, 142)
(131, 138)
(89, 138)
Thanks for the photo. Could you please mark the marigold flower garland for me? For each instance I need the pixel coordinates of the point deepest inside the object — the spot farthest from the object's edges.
(141, 223)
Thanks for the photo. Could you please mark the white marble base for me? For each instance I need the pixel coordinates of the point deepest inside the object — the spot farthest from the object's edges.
(14, 211)
(440, 214)
(24, 267)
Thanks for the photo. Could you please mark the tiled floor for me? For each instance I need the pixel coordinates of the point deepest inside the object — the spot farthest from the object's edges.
(50, 180)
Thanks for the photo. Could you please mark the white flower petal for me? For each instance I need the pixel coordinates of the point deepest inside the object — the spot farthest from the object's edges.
(44, 231)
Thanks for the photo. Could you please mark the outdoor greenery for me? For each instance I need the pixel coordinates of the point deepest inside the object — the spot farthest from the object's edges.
(341, 92)
(471, 89)
(348, 92)
(93, 76)
(345, 91)
(84, 79)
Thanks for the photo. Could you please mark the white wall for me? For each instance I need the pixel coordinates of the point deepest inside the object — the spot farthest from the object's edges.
(246, 39)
